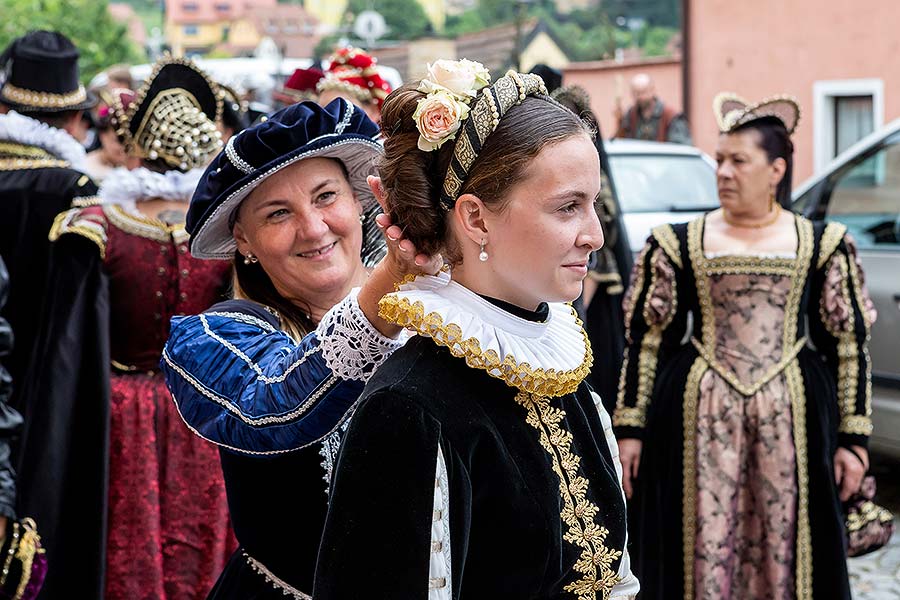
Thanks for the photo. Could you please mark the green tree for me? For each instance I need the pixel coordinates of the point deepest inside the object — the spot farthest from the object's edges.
(100, 40)
(405, 18)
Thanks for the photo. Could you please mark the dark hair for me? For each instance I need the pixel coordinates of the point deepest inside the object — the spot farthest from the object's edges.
(413, 178)
(775, 141)
(252, 283)
(58, 119)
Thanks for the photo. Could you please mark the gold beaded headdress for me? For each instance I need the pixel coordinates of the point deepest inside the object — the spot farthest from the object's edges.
(732, 111)
(173, 116)
(462, 104)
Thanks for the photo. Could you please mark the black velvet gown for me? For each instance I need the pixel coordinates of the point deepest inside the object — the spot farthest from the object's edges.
(465, 476)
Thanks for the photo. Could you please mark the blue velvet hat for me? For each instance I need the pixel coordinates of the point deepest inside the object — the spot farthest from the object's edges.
(294, 133)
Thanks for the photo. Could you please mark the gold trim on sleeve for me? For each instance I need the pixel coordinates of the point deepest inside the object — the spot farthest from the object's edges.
(520, 375)
(578, 513)
(668, 241)
(831, 239)
(72, 221)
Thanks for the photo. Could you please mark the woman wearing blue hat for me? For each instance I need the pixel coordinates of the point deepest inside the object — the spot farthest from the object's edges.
(272, 375)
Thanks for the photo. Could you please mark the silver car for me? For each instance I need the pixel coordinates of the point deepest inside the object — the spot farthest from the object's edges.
(659, 183)
(861, 188)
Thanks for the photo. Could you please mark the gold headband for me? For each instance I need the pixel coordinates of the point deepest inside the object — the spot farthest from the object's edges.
(493, 102)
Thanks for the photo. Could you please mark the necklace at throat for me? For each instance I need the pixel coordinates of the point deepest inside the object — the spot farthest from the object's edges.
(775, 213)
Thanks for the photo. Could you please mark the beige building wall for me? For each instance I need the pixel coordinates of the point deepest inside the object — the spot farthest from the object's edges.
(328, 12)
(811, 49)
(425, 51)
(607, 80)
(543, 49)
(206, 35)
(243, 33)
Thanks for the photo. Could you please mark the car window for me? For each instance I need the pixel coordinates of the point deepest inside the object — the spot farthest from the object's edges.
(663, 183)
(866, 198)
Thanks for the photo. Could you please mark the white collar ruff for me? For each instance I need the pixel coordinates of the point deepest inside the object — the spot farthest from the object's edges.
(547, 359)
(127, 188)
(18, 128)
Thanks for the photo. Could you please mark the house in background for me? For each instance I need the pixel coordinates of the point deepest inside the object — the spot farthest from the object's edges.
(237, 27)
(494, 47)
(840, 64)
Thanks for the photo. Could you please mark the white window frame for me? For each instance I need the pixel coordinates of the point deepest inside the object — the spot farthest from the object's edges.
(824, 93)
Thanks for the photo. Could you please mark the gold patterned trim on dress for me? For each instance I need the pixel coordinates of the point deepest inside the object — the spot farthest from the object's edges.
(668, 241)
(520, 375)
(630, 416)
(578, 513)
(804, 561)
(831, 239)
(743, 265)
(21, 164)
(88, 226)
(689, 471)
(769, 375)
(141, 226)
(798, 275)
(848, 361)
(40, 99)
(650, 343)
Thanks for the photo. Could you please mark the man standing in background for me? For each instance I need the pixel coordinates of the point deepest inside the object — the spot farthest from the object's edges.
(649, 118)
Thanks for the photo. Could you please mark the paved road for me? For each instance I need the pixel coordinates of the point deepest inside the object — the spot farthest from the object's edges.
(877, 575)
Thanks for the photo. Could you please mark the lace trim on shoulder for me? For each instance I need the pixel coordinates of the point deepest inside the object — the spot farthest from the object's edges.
(351, 346)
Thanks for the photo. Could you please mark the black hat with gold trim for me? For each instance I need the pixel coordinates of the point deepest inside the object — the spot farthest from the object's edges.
(39, 73)
(172, 118)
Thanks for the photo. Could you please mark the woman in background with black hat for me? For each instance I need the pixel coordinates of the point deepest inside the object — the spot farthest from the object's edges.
(133, 505)
(273, 375)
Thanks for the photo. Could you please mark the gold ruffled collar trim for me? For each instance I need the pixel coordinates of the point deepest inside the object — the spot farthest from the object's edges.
(546, 359)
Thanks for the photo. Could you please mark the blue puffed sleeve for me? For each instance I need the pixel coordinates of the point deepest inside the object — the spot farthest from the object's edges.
(240, 382)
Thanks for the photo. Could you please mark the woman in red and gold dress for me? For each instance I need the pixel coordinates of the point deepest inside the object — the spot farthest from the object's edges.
(132, 504)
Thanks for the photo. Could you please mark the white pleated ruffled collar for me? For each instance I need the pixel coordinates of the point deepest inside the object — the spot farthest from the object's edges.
(548, 359)
(127, 188)
(21, 129)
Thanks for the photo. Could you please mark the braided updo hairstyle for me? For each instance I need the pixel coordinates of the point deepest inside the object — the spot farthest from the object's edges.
(413, 178)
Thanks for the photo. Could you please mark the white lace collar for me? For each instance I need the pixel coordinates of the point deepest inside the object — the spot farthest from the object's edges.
(18, 128)
(547, 359)
(127, 188)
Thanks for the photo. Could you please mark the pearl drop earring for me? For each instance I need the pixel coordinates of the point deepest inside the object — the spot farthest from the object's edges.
(483, 256)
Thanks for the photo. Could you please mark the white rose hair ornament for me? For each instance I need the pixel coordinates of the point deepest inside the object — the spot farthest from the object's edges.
(462, 105)
(732, 111)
